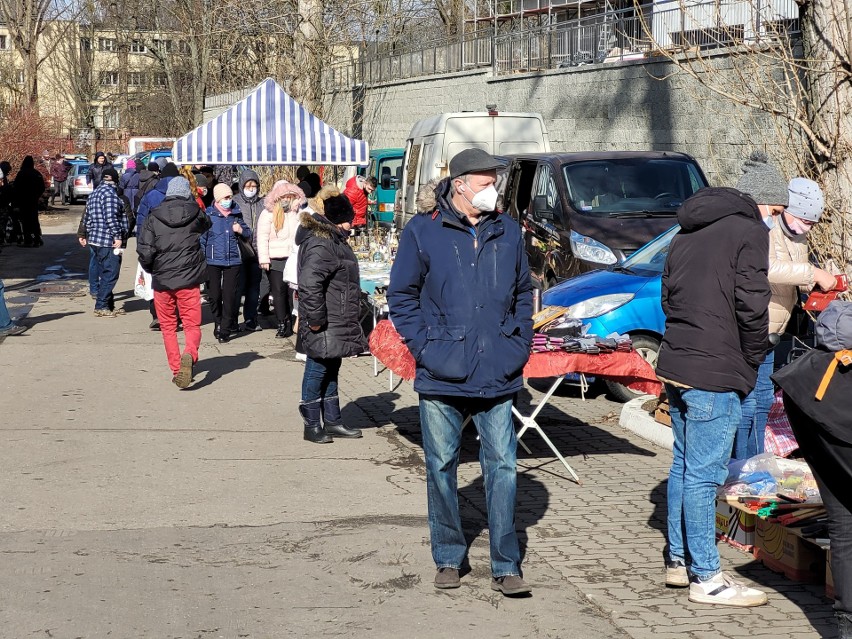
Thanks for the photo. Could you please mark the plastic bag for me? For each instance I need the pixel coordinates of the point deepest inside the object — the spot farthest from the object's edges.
(142, 287)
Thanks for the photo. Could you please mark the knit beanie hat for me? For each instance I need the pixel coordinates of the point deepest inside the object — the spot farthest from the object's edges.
(112, 173)
(221, 191)
(201, 181)
(153, 167)
(338, 210)
(762, 181)
(178, 187)
(169, 170)
(131, 164)
(806, 199)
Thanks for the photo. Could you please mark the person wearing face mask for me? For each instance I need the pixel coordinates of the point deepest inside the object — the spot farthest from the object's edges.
(250, 203)
(222, 252)
(460, 296)
(789, 273)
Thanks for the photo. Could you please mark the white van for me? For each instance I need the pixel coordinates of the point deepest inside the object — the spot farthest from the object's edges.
(433, 142)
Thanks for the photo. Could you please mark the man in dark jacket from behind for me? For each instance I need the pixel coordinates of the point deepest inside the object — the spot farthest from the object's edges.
(147, 180)
(715, 293)
(250, 202)
(460, 295)
(169, 248)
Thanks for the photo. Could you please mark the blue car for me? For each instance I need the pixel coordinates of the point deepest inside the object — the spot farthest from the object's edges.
(622, 299)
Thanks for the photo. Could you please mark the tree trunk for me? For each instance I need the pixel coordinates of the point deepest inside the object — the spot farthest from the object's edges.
(307, 85)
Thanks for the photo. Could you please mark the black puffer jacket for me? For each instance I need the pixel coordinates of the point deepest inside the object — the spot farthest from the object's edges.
(329, 291)
(168, 244)
(715, 294)
(96, 171)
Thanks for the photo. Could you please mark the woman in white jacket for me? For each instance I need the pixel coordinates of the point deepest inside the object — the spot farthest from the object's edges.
(276, 232)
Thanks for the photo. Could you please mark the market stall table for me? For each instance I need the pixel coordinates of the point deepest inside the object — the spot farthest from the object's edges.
(627, 368)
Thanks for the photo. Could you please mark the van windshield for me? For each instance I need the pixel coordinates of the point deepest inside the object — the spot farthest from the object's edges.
(631, 187)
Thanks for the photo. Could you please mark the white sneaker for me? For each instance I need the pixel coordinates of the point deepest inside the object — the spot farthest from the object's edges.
(301, 357)
(676, 575)
(724, 590)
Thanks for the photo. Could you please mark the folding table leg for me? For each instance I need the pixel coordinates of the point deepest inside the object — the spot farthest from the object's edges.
(530, 422)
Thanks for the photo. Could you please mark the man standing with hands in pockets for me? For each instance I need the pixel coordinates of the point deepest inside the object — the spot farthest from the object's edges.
(461, 297)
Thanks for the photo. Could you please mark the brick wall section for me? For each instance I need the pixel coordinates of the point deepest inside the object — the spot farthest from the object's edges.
(623, 106)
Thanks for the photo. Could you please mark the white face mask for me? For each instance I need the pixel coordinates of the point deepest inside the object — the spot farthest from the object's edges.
(485, 200)
(250, 193)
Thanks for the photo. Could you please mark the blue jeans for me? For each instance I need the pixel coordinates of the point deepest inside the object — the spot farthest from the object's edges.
(756, 406)
(93, 271)
(703, 424)
(320, 379)
(5, 318)
(107, 268)
(441, 421)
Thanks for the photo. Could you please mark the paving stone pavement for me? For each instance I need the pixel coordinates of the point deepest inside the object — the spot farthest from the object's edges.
(605, 536)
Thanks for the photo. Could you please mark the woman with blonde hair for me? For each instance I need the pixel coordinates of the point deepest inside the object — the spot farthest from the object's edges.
(276, 232)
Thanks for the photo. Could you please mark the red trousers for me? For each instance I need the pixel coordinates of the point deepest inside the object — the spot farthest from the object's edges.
(186, 302)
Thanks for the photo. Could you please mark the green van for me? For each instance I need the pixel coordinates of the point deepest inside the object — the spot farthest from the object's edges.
(386, 166)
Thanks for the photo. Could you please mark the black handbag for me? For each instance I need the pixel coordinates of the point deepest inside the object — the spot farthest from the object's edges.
(246, 249)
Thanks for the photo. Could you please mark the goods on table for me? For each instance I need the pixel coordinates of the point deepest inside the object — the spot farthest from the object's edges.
(767, 475)
(560, 333)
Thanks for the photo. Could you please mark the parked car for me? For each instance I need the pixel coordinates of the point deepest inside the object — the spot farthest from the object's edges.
(142, 158)
(624, 299)
(585, 211)
(433, 142)
(76, 186)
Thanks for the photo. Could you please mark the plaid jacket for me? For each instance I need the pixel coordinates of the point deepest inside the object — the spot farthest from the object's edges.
(104, 218)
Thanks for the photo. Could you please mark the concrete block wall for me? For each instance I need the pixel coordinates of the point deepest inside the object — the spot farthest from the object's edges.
(622, 106)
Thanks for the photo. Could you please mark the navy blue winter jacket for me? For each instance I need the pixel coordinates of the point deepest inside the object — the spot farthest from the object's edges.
(461, 298)
(151, 200)
(220, 242)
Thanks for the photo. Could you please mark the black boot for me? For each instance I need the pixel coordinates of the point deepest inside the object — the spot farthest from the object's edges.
(216, 331)
(288, 329)
(333, 421)
(314, 431)
(282, 328)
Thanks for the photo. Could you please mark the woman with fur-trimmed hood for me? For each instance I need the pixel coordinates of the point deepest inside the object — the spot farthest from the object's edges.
(329, 311)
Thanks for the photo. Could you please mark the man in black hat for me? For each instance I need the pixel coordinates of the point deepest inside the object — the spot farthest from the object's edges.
(460, 295)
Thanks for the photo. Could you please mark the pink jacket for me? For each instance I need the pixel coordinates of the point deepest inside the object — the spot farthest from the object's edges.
(272, 244)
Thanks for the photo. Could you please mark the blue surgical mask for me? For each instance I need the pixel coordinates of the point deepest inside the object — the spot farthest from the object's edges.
(226, 204)
(769, 221)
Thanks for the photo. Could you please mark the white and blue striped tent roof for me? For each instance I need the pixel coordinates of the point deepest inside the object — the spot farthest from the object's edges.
(268, 127)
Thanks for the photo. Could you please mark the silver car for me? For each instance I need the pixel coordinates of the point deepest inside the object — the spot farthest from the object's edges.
(76, 186)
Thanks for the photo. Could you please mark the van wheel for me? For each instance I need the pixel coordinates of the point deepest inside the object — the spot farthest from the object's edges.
(649, 348)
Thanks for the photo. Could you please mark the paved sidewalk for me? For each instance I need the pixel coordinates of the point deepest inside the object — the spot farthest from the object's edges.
(140, 510)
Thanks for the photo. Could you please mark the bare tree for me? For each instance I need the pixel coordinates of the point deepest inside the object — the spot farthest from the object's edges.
(750, 54)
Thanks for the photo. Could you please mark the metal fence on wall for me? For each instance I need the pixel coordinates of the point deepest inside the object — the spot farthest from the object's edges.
(629, 34)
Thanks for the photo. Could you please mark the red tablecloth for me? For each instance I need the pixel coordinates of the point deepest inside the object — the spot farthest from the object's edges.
(625, 368)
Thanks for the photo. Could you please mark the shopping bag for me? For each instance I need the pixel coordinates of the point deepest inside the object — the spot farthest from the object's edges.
(779, 438)
(142, 287)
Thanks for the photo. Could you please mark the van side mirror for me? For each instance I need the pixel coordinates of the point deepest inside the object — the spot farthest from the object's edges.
(541, 210)
(386, 182)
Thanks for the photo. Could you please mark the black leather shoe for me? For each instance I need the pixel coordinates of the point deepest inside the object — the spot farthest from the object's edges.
(339, 430)
(224, 338)
(216, 331)
(317, 435)
(281, 329)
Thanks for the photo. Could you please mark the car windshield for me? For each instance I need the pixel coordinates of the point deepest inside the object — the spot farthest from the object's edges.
(631, 187)
(82, 169)
(649, 260)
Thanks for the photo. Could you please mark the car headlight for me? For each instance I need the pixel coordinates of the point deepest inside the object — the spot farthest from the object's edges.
(597, 306)
(591, 250)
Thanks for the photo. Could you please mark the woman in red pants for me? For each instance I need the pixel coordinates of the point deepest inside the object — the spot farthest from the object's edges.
(169, 248)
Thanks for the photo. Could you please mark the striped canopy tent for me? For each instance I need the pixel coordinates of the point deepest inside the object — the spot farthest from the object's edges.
(268, 127)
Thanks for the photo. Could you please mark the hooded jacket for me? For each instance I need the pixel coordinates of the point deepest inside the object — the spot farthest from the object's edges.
(96, 171)
(152, 199)
(715, 294)
(251, 207)
(461, 298)
(358, 199)
(128, 188)
(147, 180)
(272, 244)
(220, 242)
(169, 245)
(28, 185)
(329, 290)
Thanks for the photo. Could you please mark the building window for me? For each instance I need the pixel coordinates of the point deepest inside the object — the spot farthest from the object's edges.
(159, 79)
(106, 44)
(4, 42)
(135, 79)
(163, 45)
(136, 46)
(110, 118)
(85, 44)
(183, 47)
(19, 76)
(109, 78)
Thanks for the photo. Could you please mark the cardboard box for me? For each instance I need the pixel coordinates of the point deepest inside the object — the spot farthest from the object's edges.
(829, 578)
(782, 550)
(734, 526)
